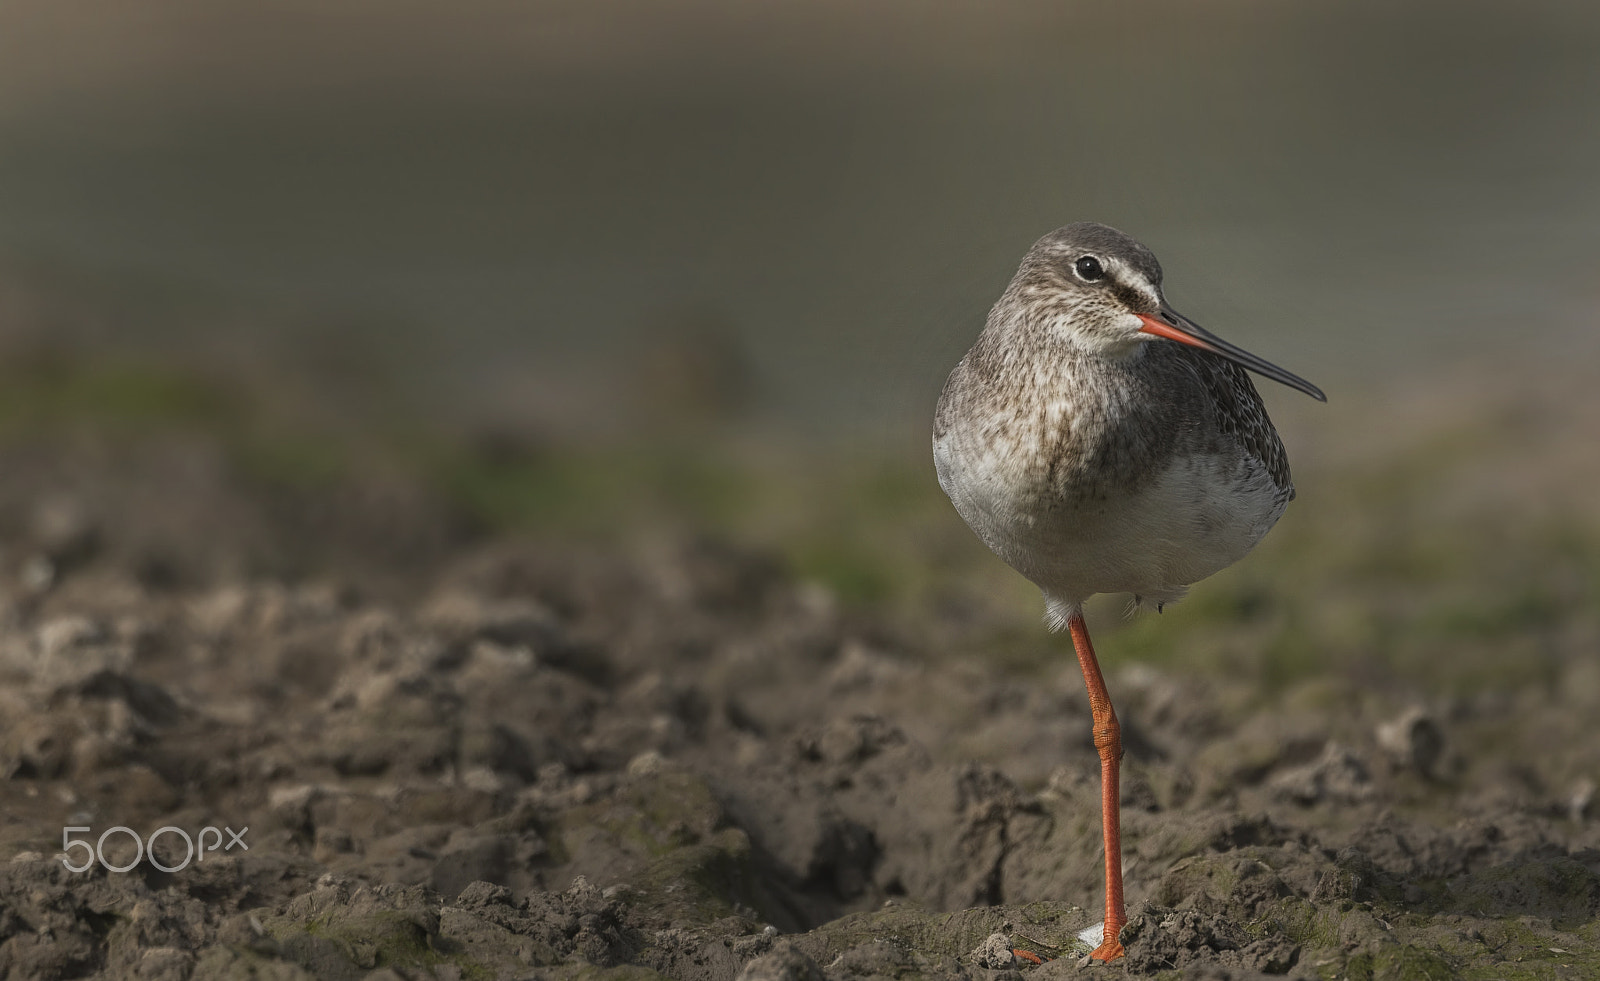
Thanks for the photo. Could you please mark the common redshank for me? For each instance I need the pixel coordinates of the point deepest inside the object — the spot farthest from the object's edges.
(1099, 442)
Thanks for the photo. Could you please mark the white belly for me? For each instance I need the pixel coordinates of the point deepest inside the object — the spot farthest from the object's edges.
(1198, 515)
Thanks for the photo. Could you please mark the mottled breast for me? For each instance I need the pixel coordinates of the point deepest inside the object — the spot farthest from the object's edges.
(1092, 475)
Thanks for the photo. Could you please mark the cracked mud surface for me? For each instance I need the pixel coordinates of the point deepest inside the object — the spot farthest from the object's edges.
(479, 754)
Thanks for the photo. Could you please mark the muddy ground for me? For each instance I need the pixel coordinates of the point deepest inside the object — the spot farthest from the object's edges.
(470, 748)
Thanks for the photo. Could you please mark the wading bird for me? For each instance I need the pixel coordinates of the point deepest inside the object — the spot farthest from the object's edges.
(1099, 442)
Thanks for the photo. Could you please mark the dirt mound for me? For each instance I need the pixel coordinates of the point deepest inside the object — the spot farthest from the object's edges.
(529, 759)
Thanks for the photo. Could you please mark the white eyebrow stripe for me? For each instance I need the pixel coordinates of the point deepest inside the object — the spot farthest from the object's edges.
(1130, 276)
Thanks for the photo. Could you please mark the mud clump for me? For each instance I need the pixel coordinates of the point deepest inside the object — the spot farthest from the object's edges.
(528, 759)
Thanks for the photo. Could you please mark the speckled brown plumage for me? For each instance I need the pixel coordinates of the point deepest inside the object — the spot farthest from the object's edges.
(1128, 419)
(1071, 440)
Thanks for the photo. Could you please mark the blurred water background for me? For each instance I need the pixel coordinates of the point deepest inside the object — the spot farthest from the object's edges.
(565, 215)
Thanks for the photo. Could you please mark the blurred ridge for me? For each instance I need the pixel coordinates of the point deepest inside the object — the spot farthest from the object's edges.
(498, 201)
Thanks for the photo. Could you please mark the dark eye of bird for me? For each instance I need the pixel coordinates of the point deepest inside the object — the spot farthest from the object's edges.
(1088, 267)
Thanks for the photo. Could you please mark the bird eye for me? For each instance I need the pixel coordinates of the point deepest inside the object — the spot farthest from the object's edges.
(1089, 268)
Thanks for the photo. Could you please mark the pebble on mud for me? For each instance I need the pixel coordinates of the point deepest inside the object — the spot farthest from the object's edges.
(994, 953)
(784, 963)
(1412, 741)
(1339, 775)
(1580, 802)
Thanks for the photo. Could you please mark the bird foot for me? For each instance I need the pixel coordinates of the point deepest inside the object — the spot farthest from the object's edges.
(1108, 951)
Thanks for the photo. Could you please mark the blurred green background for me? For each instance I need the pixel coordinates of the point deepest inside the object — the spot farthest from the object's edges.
(511, 203)
(592, 265)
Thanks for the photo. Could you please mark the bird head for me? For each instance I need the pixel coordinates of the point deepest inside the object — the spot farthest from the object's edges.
(1102, 290)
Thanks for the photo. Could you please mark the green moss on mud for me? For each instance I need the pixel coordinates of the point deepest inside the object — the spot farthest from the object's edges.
(940, 940)
(651, 817)
(623, 972)
(354, 943)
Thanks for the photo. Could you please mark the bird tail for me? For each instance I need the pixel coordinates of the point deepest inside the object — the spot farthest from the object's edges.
(1157, 603)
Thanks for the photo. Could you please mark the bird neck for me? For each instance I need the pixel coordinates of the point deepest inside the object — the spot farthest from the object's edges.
(1027, 338)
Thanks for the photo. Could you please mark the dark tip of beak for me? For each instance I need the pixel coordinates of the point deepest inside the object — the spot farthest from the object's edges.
(1175, 327)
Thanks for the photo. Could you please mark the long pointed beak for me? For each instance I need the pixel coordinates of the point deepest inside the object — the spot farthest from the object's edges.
(1175, 327)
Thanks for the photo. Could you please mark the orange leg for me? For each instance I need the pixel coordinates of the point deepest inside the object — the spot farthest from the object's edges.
(1108, 740)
